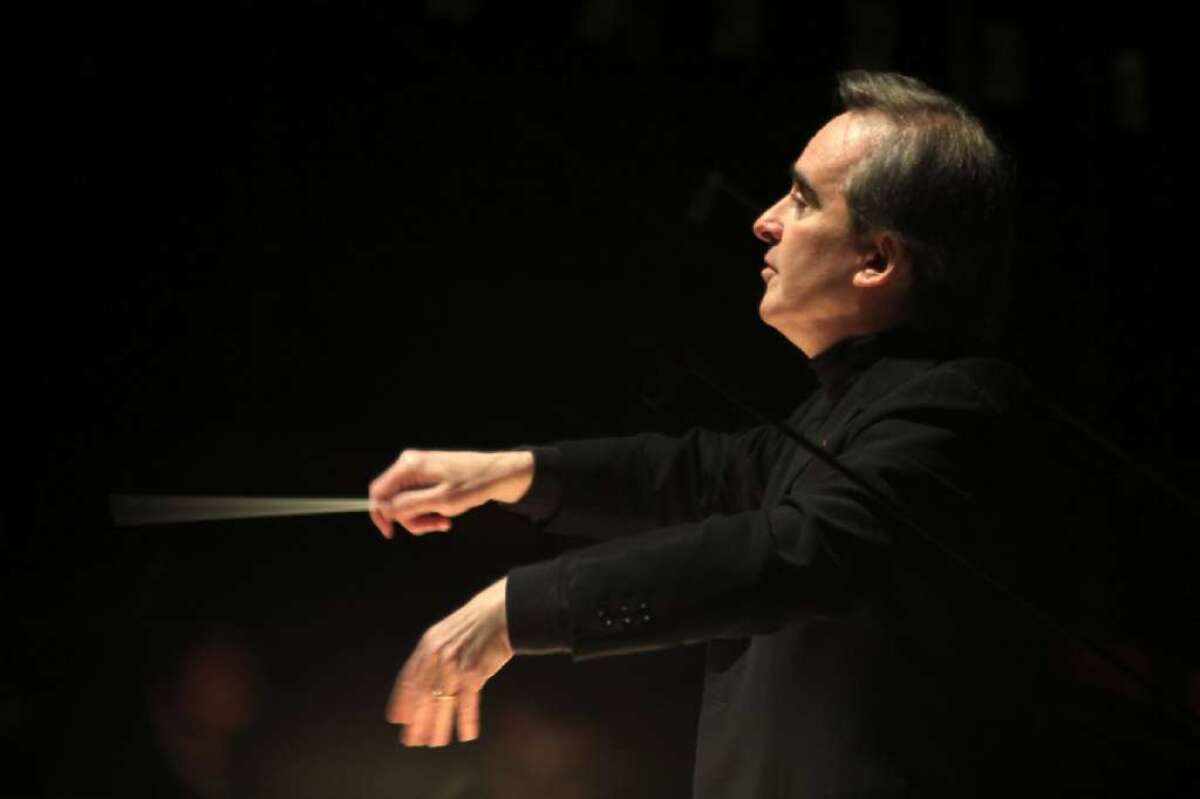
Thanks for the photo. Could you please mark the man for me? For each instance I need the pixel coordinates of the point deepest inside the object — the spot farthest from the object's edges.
(846, 656)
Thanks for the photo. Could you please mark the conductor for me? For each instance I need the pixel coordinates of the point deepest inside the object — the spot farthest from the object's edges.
(840, 659)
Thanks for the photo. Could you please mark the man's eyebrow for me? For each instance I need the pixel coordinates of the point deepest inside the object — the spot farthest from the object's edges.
(806, 190)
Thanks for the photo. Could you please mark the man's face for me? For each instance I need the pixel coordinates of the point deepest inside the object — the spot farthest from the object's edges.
(809, 296)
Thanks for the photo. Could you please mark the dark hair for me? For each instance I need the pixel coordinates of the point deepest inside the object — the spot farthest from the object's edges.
(940, 184)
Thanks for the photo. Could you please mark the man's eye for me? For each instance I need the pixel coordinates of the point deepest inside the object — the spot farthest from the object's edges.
(799, 201)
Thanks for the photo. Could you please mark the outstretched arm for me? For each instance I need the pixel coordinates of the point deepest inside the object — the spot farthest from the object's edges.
(614, 487)
(604, 487)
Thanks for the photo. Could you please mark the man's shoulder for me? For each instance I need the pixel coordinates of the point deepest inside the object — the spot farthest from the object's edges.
(1000, 383)
(984, 383)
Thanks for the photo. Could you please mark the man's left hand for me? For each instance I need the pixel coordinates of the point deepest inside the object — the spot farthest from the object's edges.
(439, 686)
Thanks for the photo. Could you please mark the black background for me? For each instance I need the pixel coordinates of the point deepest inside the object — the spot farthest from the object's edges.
(278, 243)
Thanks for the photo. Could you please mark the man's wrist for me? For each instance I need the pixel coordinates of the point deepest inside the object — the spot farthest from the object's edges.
(517, 468)
(501, 588)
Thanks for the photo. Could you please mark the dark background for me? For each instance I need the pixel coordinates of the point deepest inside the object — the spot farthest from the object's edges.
(278, 243)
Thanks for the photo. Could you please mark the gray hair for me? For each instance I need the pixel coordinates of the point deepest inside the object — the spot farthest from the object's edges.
(940, 184)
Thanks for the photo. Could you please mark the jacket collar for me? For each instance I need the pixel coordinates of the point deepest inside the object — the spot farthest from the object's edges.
(856, 362)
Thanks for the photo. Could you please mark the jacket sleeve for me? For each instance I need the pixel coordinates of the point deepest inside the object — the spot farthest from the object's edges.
(736, 574)
(613, 487)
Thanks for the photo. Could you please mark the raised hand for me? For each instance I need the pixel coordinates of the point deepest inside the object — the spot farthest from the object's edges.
(423, 489)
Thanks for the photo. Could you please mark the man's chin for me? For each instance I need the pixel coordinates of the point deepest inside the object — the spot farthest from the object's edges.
(767, 311)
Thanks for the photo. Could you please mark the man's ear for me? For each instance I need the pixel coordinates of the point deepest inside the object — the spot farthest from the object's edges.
(883, 260)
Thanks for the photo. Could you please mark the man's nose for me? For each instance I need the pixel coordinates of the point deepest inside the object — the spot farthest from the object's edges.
(766, 227)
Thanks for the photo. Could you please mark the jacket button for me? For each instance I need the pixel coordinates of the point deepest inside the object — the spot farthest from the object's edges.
(608, 622)
(647, 618)
(601, 613)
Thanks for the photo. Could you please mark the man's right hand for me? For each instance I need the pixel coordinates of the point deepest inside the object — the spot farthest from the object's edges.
(423, 489)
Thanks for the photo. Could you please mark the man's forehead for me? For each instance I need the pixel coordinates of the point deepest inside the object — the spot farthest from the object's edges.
(838, 146)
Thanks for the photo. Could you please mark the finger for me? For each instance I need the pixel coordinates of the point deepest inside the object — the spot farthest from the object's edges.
(409, 700)
(441, 717)
(382, 523)
(414, 502)
(416, 732)
(401, 704)
(412, 685)
(468, 715)
(442, 725)
(427, 523)
(432, 716)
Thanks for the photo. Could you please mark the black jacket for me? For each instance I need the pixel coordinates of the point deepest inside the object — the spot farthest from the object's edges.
(846, 655)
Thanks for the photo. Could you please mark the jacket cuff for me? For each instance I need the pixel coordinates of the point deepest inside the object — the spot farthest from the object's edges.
(535, 610)
(544, 496)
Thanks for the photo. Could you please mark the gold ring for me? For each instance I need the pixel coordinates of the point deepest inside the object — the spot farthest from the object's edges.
(438, 693)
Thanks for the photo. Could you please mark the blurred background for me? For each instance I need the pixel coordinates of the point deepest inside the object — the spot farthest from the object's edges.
(277, 243)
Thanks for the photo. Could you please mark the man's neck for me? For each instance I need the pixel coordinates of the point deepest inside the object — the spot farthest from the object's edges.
(816, 342)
